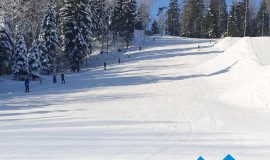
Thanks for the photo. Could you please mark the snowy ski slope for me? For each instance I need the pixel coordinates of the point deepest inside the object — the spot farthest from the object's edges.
(169, 101)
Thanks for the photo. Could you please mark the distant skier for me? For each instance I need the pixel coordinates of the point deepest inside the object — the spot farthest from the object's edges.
(54, 78)
(140, 48)
(119, 60)
(27, 85)
(63, 78)
(199, 47)
(105, 65)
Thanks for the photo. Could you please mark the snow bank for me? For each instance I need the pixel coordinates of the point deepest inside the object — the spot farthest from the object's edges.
(226, 43)
(244, 74)
(237, 53)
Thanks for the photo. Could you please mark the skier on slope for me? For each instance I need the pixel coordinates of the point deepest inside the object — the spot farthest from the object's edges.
(119, 60)
(63, 78)
(105, 65)
(54, 78)
(27, 85)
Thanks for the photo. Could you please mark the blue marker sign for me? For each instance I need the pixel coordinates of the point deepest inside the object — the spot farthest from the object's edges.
(228, 157)
(200, 158)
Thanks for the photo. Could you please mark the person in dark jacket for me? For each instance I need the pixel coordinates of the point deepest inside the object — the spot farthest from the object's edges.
(105, 65)
(27, 85)
(63, 78)
(119, 60)
(54, 78)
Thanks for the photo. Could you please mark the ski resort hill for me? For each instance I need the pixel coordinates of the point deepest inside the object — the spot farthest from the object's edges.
(177, 98)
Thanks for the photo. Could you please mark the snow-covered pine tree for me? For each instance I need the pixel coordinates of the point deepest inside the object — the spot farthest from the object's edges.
(262, 20)
(99, 15)
(234, 18)
(244, 18)
(173, 18)
(129, 20)
(212, 19)
(27, 18)
(73, 43)
(46, 66)
(123, 19)
(117, 19)
(223, 18)
(6, 47)
(20, 66)
(185, 14)
(216, 18)
(197, 9)
(96, 27)
(139, 22)
(155, 28)
(205, 25)
(84, 19)
(49, 40)
(34, 61)
(192, 16)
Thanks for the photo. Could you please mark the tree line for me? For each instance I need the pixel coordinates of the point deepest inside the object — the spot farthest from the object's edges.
(36, 37)
(198, 19)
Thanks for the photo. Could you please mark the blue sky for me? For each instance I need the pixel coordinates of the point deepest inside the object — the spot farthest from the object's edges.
(165, 3)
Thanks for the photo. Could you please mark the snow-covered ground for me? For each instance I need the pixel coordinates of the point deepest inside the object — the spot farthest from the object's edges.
(169, 101)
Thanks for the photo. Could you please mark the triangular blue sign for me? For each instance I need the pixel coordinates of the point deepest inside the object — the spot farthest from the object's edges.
(200, 158)
(228, 157)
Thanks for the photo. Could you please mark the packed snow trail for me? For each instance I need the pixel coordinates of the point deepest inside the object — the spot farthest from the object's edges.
(154, 106)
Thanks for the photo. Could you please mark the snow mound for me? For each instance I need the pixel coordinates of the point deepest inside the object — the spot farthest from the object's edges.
(226, 43)
(238, 52)
(245, 77)
(261, 48)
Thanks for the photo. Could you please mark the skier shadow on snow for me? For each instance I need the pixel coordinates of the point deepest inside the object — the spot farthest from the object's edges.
(99, 79)
(112, 80)
(165, 41)
(169, 53)
(223, 71)
(52, 98)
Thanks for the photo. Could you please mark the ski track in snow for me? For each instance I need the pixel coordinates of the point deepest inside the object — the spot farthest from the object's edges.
(154, 106)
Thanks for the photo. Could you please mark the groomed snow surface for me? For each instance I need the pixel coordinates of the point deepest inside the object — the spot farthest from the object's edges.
(167, 102)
